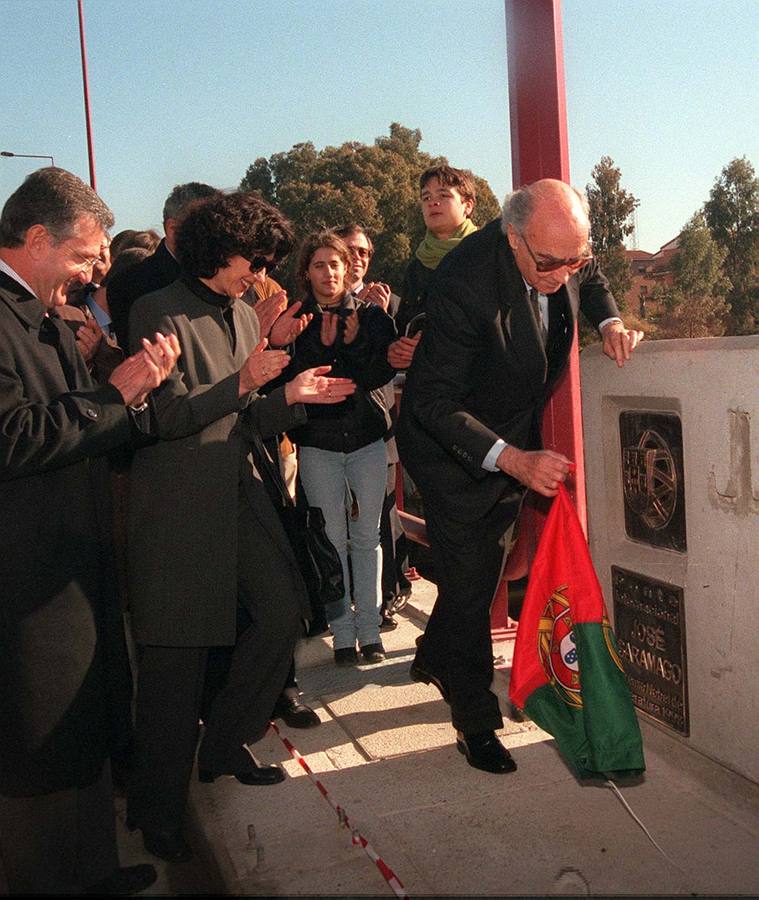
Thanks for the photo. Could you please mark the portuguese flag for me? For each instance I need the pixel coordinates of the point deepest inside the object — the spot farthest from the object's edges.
(566, 674)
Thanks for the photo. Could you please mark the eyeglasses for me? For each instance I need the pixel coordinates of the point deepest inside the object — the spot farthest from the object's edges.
(362, 252)
(261, 262)
(550, 264)
(87, 261)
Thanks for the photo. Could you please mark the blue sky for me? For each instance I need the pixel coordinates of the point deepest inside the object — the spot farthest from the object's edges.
(187, 90)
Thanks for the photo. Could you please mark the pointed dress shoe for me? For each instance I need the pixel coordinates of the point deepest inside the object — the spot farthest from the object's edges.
(246, 770)
(484, 751)
(124, 881)
(294, 713)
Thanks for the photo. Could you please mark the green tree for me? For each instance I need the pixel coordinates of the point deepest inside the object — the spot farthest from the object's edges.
(732, 215)
(611, 211)
(375, 185)
(695, 306)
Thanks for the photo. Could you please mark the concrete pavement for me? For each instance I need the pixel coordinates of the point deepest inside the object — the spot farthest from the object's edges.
(385, 752)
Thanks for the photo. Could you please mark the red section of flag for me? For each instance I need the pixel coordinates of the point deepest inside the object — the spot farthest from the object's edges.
(564, 588)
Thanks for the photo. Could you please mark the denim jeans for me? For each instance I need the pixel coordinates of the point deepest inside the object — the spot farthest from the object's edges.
(324, 474)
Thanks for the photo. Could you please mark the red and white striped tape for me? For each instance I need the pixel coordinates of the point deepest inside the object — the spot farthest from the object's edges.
(356, 837)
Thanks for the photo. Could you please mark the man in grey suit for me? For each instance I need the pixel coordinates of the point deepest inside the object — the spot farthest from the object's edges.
(501, 315)
(210, 564)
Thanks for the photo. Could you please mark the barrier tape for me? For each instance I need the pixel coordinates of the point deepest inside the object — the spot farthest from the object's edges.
(357, 839)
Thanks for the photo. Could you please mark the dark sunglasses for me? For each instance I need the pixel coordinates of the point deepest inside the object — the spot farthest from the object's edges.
(261, 262)
(550, 264)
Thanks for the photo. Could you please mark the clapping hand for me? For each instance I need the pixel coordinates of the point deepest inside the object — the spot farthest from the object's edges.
(261, 366)
(268, 310)
(375, 292)
(311, 386)
(88, 339)
(145, 370)
(289, 325)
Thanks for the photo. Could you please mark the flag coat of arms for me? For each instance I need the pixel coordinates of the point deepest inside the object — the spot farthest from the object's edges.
(566, 674)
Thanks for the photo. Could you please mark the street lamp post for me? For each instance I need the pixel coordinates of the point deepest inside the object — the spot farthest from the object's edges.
(27, 156)
(86, 87)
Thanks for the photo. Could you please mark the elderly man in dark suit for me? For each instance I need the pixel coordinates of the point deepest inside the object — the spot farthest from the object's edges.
(62, 649)
(210, 563)
(500, 321)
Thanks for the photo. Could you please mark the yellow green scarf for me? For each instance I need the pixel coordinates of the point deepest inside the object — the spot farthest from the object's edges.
(432, 249)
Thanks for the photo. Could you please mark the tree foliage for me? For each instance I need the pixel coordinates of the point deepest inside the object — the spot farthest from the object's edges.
(374, 185)
(695, 305)
(732, 216)
(611, 211)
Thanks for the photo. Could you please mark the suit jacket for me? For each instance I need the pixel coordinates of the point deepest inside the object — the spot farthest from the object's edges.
(60, 624)
(481, 372)
(185, 490)
(151, 274)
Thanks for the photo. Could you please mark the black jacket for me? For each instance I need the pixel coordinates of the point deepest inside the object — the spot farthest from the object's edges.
(416, 282)
(62, 650)
(362, 418)
(151, 274)
(481, 372)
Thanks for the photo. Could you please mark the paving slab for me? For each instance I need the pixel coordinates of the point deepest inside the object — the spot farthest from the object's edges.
(385, 752)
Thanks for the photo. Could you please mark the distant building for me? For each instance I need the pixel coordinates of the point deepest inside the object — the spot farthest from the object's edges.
(649, 270)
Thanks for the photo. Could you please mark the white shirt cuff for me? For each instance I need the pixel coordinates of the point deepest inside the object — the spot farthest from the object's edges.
(606, 322)
(495, 451)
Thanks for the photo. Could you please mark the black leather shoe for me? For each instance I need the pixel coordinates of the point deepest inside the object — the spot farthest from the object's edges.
(317, 626)
(294, 713)
(246, 770)
(484, 751)
(388, 623)
(418, 674)
(165, 844)
(346, 656)
(253, 776)
(373, 653)
(128, 880)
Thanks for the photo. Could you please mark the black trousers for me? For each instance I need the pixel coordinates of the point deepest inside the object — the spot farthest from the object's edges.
(59, 843)
(456, 645)
(171, 684)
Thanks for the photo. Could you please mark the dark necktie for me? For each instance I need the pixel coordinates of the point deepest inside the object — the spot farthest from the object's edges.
(535, 303)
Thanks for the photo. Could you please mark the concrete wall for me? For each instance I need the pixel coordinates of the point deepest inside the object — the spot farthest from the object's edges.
(712, 385)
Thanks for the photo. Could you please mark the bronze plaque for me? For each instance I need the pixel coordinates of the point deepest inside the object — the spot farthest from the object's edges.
(649, 625)
(653, 478)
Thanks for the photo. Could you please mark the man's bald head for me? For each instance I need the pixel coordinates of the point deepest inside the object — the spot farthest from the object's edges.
(547, 226)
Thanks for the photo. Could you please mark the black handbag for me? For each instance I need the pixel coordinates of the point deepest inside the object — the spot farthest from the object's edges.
(324, 557)
(317, 558)
(304, 525)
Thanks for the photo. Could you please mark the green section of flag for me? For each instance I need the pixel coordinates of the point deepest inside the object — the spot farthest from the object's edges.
(600, 737)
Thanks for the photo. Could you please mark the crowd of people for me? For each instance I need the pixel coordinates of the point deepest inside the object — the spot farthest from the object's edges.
(166, 406)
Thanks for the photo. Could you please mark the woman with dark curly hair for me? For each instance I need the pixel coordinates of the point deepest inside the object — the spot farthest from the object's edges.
(209, 562)
(343, 445)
